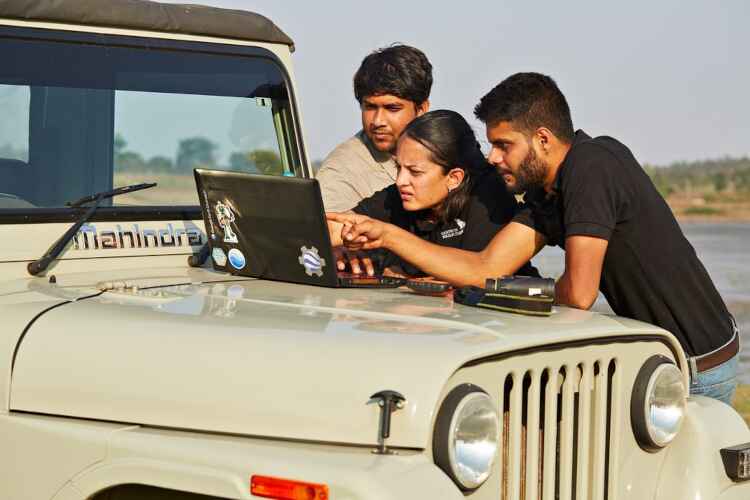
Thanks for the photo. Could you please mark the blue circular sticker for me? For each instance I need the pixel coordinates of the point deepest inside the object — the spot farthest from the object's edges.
(236, 258)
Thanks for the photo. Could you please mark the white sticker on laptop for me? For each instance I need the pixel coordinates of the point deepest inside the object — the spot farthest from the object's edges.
(312, 261)
(236, 258)
(225, 217)
(219, 257)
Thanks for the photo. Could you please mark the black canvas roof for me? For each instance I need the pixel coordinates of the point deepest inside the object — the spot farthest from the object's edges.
(148, 15)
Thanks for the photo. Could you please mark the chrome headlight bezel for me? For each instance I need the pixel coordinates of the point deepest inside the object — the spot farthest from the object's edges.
(463, 403)
(657, 406)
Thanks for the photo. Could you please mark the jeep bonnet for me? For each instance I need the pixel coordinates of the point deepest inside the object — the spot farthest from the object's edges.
(151, 16)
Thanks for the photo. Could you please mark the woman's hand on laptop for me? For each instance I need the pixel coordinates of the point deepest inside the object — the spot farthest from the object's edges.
(358, 262)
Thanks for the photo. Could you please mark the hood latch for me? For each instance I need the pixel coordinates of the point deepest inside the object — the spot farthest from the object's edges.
(389, 402)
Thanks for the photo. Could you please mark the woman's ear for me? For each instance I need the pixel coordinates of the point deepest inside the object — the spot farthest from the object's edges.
(454, 178)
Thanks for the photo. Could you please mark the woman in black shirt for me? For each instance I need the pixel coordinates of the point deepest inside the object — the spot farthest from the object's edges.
(445, 191)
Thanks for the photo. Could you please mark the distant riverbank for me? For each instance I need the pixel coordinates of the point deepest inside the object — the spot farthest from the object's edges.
(713, 190)
(698, 209)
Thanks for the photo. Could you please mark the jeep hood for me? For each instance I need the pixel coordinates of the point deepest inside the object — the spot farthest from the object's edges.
(269, 359)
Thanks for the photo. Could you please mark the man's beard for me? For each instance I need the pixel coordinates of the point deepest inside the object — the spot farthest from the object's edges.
(531, 174)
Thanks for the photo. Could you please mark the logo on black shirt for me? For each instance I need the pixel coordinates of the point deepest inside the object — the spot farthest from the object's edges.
(454, 231)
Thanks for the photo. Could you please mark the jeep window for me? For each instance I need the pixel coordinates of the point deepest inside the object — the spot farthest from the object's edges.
(78, 118)
(14, 140)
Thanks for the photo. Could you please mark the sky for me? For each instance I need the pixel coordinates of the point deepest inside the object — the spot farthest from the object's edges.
(670, 79)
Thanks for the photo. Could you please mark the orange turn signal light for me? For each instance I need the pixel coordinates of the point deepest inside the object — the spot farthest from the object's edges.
(287, 489)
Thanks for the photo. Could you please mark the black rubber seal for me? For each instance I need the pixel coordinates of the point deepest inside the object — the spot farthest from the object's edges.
(637, 400)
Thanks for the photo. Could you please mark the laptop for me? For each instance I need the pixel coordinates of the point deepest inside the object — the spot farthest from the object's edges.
(273, 228)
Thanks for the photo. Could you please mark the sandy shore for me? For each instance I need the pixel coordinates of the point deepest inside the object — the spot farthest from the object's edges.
(699, 210)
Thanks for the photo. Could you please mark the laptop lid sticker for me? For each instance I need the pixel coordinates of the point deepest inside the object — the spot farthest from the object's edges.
(236, 258)
(312, 261)
(219, 256)
(225, 217)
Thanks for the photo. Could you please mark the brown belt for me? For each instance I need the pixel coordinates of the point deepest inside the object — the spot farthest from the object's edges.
(721, 355)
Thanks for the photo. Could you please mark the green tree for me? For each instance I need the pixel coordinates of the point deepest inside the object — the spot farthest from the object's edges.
(742, 179)
(196, 152)
(124, 159)
(720, 182)
(119, 145)
(160, 163)
(129, 160)
(241, 162)
(266, 161)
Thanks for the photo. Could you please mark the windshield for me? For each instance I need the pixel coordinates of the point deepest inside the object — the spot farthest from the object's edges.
(79, 118)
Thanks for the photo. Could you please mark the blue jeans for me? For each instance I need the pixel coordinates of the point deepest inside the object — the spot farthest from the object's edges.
(719, 382)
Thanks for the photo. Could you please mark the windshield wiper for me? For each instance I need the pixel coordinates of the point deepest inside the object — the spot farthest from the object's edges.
(57, 247)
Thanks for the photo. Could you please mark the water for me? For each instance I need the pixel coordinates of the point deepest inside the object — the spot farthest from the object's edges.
(723, 249)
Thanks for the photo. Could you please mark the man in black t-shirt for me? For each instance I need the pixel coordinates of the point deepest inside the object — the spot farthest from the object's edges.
(591, 197)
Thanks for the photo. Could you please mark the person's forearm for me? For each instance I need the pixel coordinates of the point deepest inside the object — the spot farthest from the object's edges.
(579, 285)
(567, 294)
(458, 267)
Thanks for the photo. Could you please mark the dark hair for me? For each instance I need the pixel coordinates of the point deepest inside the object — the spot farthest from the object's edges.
(398, 70)
(452, 144)
(529, 101)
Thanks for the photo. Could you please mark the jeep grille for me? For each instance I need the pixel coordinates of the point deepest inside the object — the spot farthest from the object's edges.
(557, 430)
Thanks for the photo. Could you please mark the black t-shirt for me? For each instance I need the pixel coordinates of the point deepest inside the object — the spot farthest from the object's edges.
(488, 209)
(650, 272)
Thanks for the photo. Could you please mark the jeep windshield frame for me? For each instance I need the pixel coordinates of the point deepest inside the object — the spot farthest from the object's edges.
(250, 76)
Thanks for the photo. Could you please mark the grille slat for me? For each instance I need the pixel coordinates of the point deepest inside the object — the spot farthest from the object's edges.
(566, 433)
(532, 438)
(502, 447)
(550, 434)
(584, 423)
(600, 431)
(517, 434)
(558, 433)
(613, 434)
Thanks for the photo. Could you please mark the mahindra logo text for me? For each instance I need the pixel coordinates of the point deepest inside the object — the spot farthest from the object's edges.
(89, 238)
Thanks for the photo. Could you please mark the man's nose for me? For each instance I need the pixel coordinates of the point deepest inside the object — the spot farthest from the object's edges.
(495, 157)
(378, 119)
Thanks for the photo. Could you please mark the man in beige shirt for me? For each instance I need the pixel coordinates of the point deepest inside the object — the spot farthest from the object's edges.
(392, 86)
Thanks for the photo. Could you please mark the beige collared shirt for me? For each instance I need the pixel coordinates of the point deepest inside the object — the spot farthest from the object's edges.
(354, 170)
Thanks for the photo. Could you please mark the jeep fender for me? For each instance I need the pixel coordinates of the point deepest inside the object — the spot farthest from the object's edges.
(692, 467)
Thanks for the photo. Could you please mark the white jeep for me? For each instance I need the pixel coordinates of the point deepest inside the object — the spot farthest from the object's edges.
(127, 374)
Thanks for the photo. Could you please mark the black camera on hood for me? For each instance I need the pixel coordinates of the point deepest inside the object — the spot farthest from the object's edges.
(517, 294)
(522, 286)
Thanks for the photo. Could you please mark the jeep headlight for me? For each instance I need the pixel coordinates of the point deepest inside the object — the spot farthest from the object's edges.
(466, 436)
(657, 407)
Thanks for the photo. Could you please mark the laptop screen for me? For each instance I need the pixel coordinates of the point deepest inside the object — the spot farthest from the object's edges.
(266, 227)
